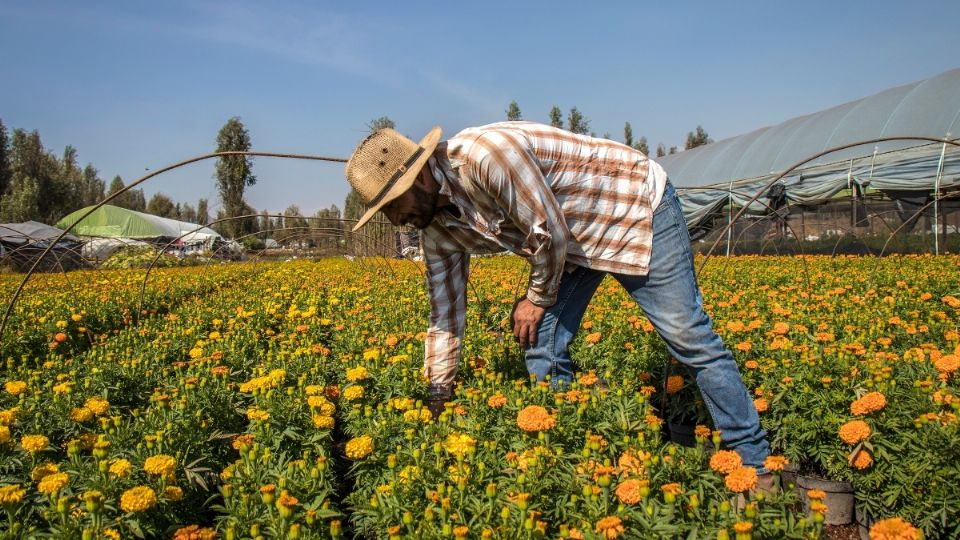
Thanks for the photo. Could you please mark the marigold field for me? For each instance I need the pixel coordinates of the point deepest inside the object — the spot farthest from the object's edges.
(283, 400)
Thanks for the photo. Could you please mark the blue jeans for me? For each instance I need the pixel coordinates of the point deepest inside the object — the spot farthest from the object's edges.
(670, 298)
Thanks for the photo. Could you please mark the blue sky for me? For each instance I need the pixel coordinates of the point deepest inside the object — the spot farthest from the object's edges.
(136, 85)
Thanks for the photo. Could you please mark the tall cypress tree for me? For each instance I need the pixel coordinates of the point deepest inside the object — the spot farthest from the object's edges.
(234, 173)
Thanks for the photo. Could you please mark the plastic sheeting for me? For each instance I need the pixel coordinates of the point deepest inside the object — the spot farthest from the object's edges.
(115, 222)
(734, 170)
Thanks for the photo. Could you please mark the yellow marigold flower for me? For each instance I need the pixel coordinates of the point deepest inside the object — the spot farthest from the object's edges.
(742, 527)
(358, 373)
(359, 447)
(353, 393)
(854, 431)
(497, 401)
(51, 484)
(629, 491)
(15, 387)
(725, 461)
(460, 444)
(120, 468)
(894, 529)
(257, 415)
(160, 465)
(34, 443)
(81, 414)
(63, 388)
(741, 479)
(313, 389)
(112, 534)
(12, 494)
(173, 493)
(674, 384)
(98, 405)
(818, 507)
(138, 499)
(776, 463)
(535, 418)
(869, 403)
(609, 527)
(323, 422)
(7, 416)
(194, 532)
(5, 435)
(861, 460)
(761, 404)
(45, 469)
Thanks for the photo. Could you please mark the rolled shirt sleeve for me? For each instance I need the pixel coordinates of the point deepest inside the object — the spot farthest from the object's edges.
(507, 170)
(448, 269)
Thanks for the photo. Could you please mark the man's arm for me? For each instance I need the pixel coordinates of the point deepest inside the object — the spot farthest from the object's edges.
(448, 268)
(505, 167)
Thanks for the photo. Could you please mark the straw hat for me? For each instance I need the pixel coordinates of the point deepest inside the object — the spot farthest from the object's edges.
(385, 165)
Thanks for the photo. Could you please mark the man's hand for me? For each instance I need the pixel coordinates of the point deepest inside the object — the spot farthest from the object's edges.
(526, 321)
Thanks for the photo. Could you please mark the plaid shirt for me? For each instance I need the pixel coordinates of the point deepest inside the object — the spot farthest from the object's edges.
(553, 197)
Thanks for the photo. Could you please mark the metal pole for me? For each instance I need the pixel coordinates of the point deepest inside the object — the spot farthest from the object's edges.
(729, 215)
(936, 198)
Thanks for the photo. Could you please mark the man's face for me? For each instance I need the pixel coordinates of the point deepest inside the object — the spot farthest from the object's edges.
(415, 207)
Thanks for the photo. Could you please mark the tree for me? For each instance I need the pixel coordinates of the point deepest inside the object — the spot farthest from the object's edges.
(673, 150)
(35, 190)
(556, 117)
(91, 190)
(161, 205)
(188, 213)
(234, 173)
(381, 123)
(137, 200)
(577, 123)
(660, 150)
(513, 112)
(699, 138)
(4, 159)
(203, 216)
(627, 134)
(642, 146)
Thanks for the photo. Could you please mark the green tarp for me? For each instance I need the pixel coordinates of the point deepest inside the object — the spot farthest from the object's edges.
(115, 222)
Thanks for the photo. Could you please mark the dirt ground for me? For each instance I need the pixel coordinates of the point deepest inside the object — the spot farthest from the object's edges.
(842, 532)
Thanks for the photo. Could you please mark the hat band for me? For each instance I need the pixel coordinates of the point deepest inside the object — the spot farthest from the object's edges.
(396, 176)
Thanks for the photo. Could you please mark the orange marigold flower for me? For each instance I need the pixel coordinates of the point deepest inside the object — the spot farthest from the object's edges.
(701, 431)
(535, 418)
(742, 527)
(497, 400)
(761, 404)
(674, 384)
(751, 364)
(741, 479)
(588, 379)
(776, 463)
(610, 527)
(816, 494)
(671, 489)
(861, 460)
(947, 363)
(744, 346)
(593, 338)
(871, 402)
(629, 491)
(894, 529)
(854, 431)
(194, 532)
(725, 461)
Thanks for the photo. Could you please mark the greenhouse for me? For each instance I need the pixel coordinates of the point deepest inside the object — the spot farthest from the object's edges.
(873, 189)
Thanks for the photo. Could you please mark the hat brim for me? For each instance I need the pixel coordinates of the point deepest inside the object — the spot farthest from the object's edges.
(429, 144)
